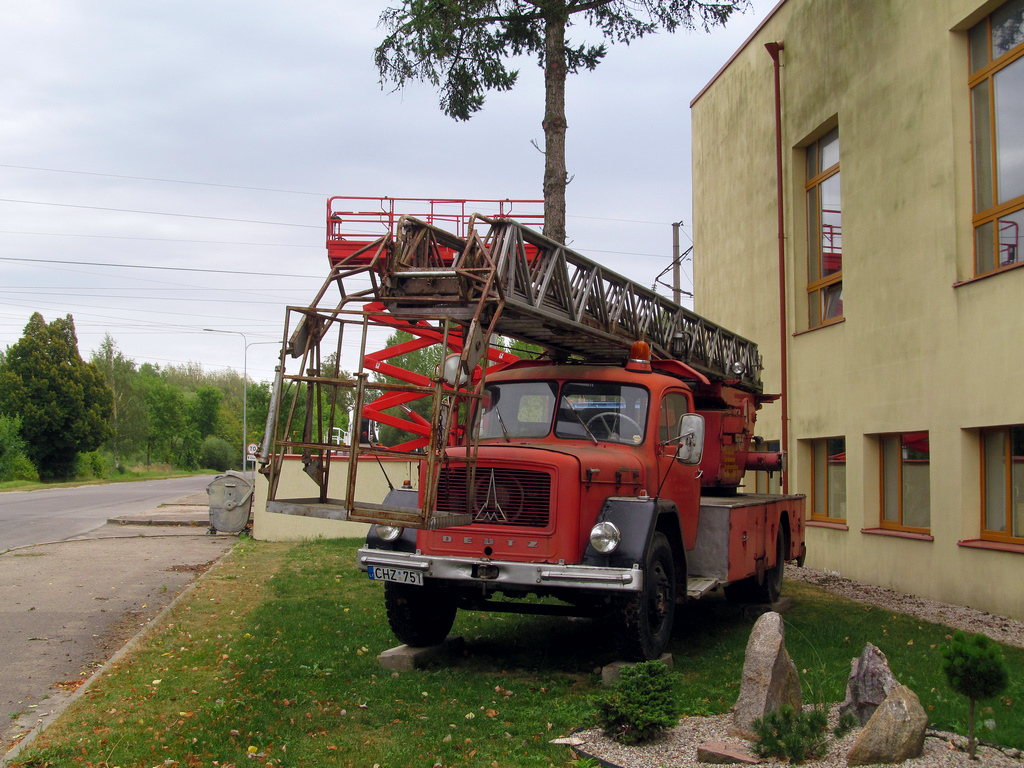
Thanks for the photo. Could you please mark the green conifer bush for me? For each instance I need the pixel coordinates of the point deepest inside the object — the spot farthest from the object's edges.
(639, 706)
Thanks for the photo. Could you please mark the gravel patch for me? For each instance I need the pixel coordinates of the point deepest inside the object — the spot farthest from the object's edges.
(678, 747)
(999, 628)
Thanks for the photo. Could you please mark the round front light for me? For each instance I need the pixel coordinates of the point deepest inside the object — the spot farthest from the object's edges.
(388, 532)
(605, 537)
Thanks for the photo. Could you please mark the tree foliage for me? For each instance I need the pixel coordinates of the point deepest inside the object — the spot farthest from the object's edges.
(129, 419)
(64, 403)
(466, 48)
(14, 463)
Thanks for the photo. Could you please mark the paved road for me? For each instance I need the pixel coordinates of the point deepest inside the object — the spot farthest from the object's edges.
(59, 514)
(65, 608)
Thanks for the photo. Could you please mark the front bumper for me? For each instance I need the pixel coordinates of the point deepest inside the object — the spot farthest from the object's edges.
(473, 570)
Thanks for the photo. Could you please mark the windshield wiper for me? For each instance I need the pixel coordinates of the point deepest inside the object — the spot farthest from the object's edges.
(578, 418)
(501, 423)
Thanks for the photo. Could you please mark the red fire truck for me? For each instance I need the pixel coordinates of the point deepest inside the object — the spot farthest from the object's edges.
(603, 473)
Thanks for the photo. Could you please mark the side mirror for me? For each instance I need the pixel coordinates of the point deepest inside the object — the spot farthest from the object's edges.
(690, 439)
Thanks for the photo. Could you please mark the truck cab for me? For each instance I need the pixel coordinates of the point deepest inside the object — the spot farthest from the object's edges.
(586, 488)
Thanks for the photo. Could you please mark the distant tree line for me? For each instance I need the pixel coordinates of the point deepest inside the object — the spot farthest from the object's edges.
(62, 417)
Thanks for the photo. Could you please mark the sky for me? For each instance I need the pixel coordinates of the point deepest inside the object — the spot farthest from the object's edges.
(165, 166)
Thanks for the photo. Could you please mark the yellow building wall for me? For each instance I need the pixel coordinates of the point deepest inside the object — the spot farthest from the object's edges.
(371, 486)
(915, 351)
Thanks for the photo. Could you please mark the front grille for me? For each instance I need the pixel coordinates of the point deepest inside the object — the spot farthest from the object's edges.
(503, 496)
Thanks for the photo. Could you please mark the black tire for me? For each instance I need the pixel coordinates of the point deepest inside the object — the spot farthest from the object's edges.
(769, 590)
(419, 616)
(646, 619)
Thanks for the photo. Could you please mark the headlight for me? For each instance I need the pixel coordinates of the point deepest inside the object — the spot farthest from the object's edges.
(605, 537)
(388, 532)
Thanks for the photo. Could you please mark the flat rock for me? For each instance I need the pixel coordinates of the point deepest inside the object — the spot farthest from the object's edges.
(404, 657)
(610, 672)
(724, 753)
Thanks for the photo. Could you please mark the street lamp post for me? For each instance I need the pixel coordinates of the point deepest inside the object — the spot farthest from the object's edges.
(245, 392)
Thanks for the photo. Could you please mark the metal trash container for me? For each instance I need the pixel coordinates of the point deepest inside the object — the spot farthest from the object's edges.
(230, 502)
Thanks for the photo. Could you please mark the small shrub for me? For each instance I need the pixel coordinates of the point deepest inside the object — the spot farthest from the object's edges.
(14, 462)
(974, 668)
(847, 722)
(20, 467)
(217, 453)
(640, 705)
(792, 735)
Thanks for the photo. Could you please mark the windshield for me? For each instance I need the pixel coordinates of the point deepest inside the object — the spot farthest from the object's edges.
(518, 409)
(595, 411)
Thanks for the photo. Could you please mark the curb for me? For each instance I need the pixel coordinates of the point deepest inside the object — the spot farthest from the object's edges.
(174, 523)
(155, 623)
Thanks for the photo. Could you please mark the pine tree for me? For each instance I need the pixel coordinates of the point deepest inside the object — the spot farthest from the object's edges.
(974, 668)
(64, 403)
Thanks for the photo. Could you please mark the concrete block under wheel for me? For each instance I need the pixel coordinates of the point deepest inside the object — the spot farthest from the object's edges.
(610, 672)
(405, 657)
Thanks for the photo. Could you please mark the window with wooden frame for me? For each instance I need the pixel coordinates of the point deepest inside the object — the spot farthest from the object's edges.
(997, 110)
(828, 480)
(906, 482)
(1002, 484)
(824, 232)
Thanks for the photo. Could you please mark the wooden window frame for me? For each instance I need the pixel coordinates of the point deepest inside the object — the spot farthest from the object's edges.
(816, 515)
(994, 213)
(1006, 536)
(898, 525)
(817, 286)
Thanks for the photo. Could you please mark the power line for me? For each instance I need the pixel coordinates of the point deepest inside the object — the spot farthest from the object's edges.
(164, 181)
(158, 239)
(150, 266)
(160, 213)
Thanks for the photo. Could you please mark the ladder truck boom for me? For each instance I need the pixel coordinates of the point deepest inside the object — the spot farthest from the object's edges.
(547, 294)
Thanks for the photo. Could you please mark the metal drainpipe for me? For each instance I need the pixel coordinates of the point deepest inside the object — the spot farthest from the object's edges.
(774, 50)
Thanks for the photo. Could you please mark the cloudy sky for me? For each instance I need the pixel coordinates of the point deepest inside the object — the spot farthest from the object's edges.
(165, 166)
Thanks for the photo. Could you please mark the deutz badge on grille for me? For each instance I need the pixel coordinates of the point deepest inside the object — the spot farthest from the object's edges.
(490, 509)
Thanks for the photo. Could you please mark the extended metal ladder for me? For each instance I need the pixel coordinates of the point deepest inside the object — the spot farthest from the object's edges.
(547, 294)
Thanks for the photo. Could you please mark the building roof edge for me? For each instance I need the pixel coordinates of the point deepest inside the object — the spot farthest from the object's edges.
(732, 58)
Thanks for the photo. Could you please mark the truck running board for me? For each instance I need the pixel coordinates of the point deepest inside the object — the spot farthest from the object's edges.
(698, 586)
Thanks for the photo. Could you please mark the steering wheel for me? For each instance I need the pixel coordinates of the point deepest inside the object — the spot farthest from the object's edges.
(607, 419)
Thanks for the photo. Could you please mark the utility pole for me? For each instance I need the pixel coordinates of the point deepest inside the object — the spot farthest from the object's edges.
(676, 292)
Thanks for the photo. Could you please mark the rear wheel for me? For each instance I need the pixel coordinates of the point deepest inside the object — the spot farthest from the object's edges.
(770, 589)
(419, 616)
(646, 618)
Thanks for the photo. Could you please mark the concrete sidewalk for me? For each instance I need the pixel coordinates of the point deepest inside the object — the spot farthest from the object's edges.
(67, 607)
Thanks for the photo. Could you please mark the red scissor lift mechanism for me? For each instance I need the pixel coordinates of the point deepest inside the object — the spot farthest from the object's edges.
(350, 231)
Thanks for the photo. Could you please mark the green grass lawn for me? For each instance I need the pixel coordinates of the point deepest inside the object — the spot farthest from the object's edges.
(272, 660)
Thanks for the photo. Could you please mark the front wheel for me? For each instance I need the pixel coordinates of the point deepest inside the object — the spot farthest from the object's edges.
(646, 618)
(419, 616)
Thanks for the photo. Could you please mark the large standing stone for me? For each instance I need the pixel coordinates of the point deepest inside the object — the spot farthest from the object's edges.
(870, 682)
(770, 679)
(894, 733)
